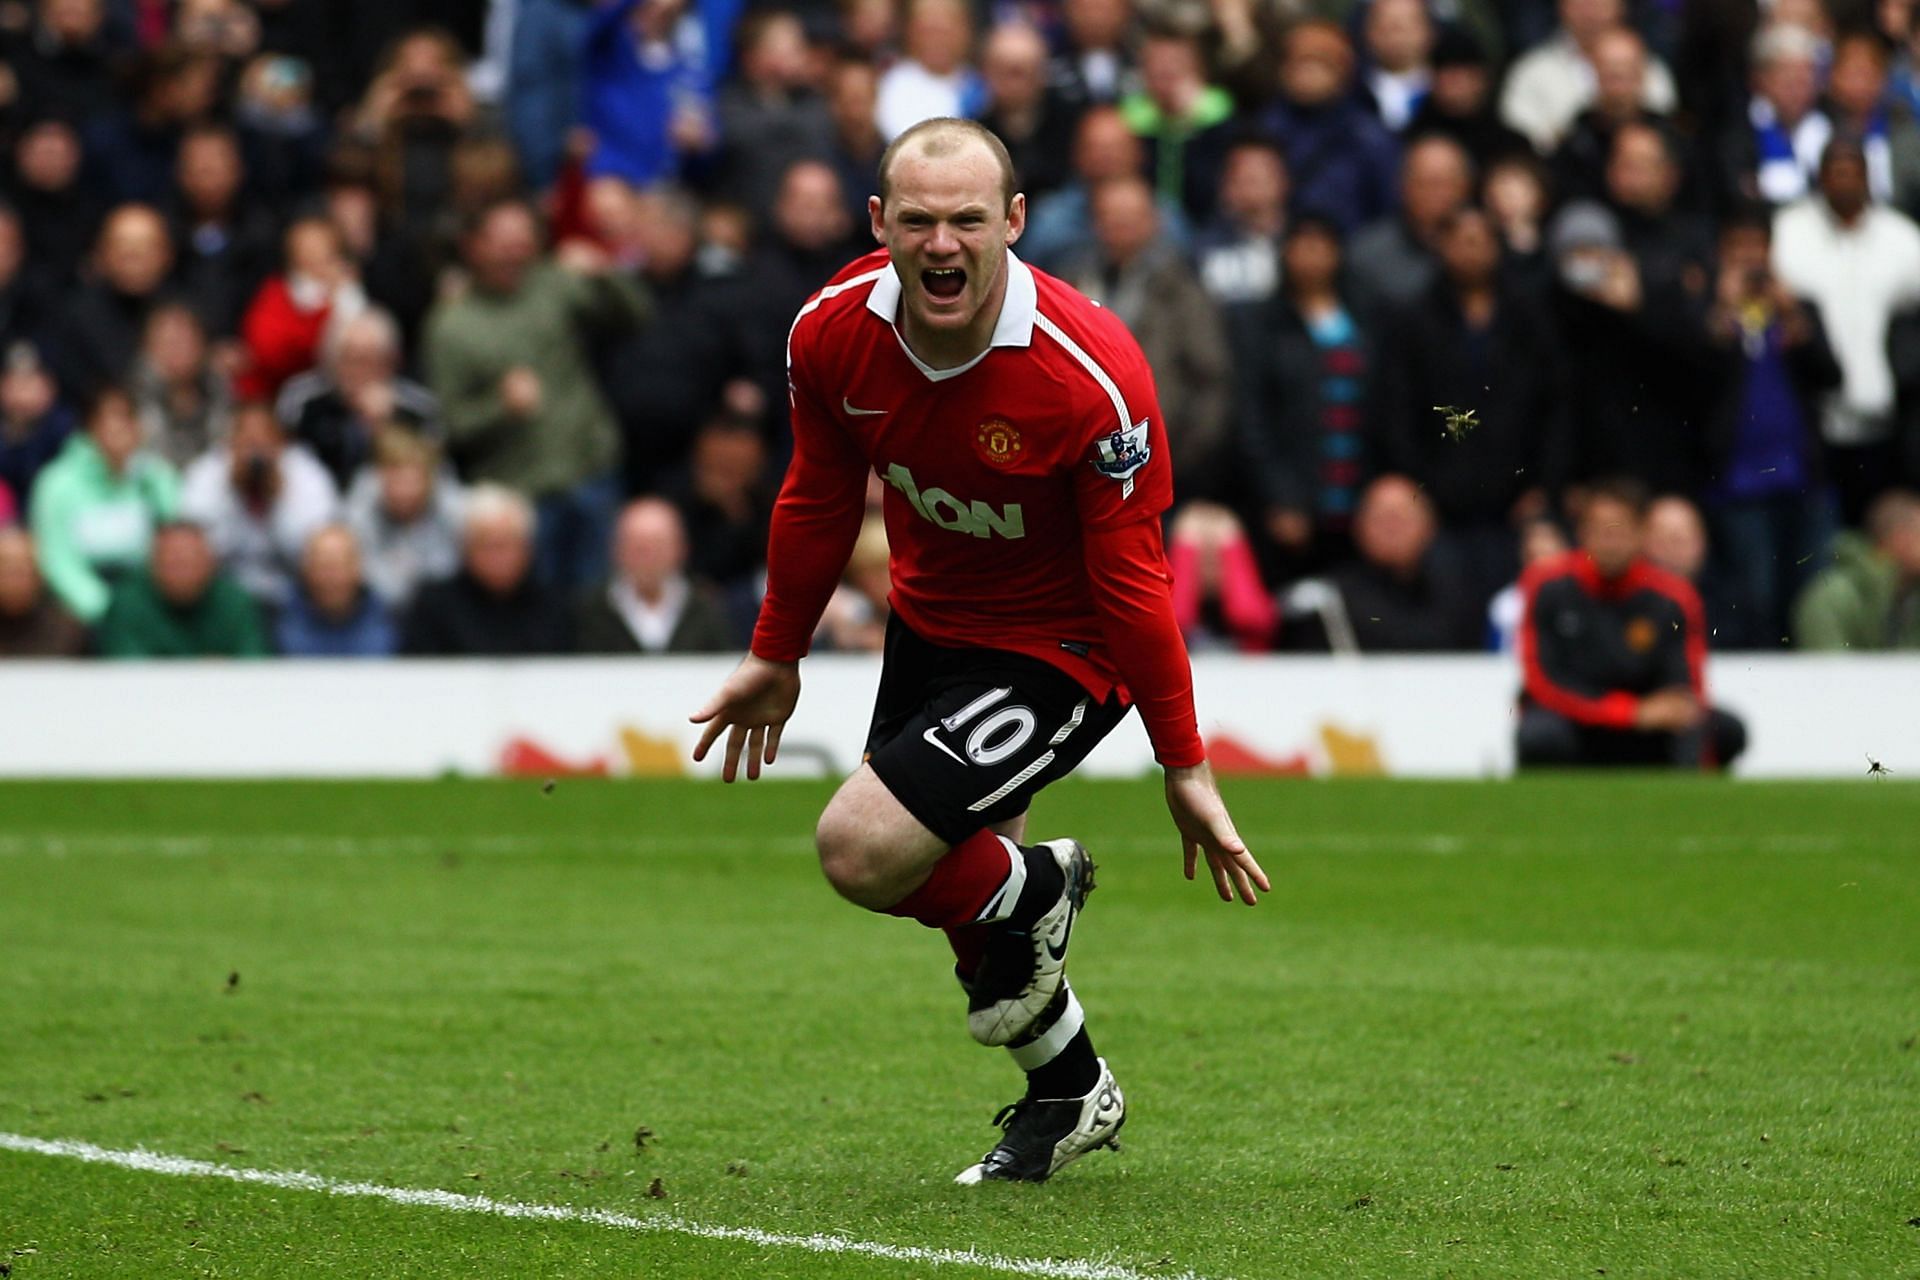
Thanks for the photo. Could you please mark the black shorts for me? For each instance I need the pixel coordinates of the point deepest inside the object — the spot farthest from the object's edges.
(965, 737)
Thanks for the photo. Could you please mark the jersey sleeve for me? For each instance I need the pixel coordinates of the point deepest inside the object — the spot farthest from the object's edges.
(1123, 481)
(816, 519)
(1125, 470)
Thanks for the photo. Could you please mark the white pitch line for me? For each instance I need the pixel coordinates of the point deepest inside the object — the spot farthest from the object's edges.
(142, 1161)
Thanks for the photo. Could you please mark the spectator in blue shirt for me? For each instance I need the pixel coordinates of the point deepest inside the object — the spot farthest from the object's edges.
(332, 614)
(647, 81)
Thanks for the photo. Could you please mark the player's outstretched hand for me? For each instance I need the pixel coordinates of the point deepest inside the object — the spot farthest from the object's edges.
(1206, 827)
(753, 707)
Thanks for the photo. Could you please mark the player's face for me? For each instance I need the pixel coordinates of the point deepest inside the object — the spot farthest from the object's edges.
(947, 228)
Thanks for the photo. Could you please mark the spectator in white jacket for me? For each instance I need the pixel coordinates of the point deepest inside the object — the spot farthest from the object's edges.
(1859, 262)
(259, 498)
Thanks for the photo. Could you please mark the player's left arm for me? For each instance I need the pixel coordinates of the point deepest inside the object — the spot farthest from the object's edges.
(1120, 494)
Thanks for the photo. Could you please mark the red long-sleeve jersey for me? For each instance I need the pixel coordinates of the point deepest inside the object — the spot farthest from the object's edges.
(1024, 490)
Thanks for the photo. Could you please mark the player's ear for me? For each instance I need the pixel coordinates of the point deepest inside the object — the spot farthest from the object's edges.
(873, 212)
(1016, 217)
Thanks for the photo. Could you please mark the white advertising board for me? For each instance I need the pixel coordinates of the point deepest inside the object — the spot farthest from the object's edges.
(1430, 717)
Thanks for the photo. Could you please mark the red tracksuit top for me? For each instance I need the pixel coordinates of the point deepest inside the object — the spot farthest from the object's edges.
(1023, 490)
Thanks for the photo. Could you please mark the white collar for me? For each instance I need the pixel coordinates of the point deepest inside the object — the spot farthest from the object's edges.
(1014, 328)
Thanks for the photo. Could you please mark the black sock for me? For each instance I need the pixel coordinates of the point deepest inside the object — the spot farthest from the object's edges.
(1071, 1074)
(1044, 882)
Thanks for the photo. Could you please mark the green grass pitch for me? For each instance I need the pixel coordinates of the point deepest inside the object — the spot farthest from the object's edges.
(1562, 1027)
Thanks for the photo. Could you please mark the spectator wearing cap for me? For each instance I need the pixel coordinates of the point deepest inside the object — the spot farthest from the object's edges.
(1550, 84)
(1027, 113)
(1342, 159)
(650, 605)
(185, 403)
(648, 73)
(1870, 599)
(1639, 392)
(1302, 362)
(32, 623)
(510, 362)
(1398, 40)
(181, 605)
(34, 422)
(1773, 152)
(494, 606)
(1392, 262)
(94, 507)
(404, 511)
(1859, 261)
(1473, 342)
(1182, 120)
(1238, 252)
(331, 613)
(259, 497)
(339, 408)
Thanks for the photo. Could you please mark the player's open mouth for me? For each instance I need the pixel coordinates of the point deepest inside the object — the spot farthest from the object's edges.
(945, 283)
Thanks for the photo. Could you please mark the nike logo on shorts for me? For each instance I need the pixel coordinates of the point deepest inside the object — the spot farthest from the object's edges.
(933, 741)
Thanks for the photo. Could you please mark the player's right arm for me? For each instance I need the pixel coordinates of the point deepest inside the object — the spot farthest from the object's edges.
(815, 523)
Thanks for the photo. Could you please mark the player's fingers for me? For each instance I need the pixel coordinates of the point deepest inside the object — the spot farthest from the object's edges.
(713, 730)
(1220, 882)
(736, 738)
(1254, 870)
(1241, 882)
(756, 744)
(773, 742)
(1193, 855)
(705, 713)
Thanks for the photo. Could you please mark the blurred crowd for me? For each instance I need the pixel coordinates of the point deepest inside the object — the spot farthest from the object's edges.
(331, 327)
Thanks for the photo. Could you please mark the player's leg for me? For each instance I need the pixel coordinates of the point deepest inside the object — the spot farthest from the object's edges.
(1001, 903)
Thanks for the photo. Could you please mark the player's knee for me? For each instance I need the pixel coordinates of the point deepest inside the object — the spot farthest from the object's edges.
(854, 868)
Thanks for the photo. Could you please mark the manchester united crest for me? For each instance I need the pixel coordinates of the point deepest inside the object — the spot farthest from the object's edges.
(997, 442)
(1641, 634)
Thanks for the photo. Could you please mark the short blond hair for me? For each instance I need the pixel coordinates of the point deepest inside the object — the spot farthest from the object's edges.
(944, 136)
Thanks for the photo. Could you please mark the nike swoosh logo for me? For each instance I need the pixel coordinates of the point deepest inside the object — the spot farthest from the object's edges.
(933, 729)
(848, 405)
